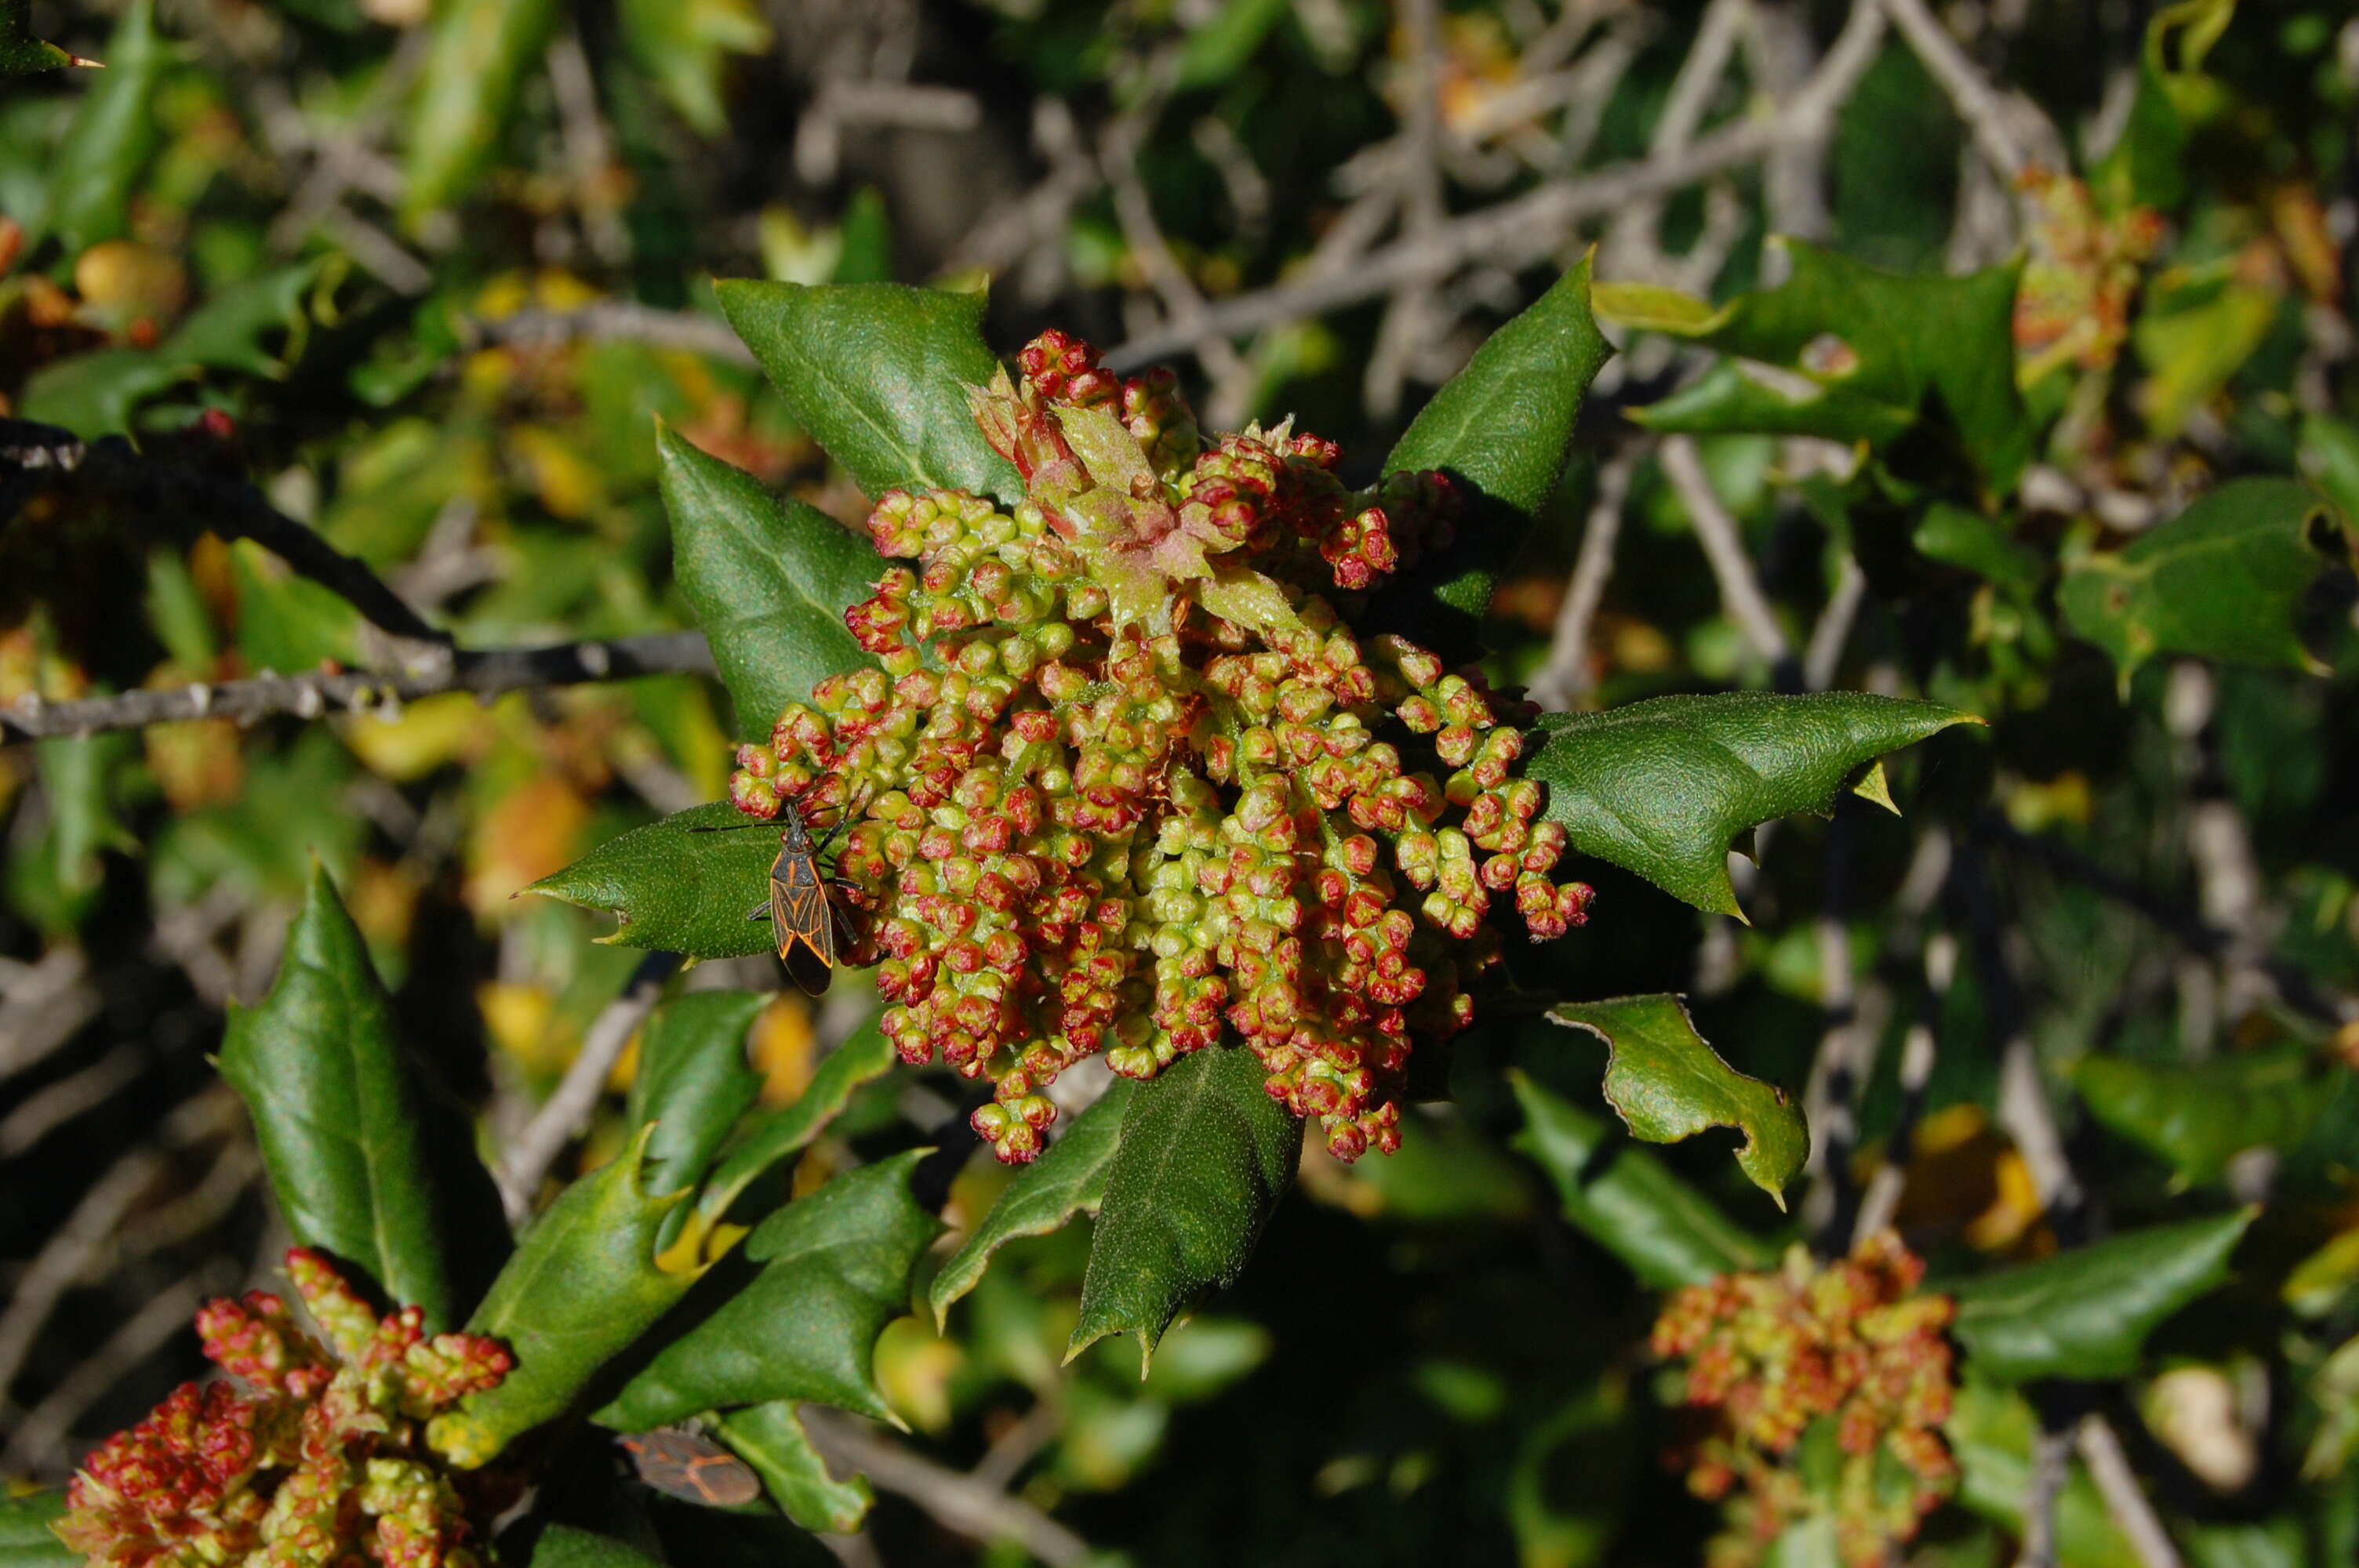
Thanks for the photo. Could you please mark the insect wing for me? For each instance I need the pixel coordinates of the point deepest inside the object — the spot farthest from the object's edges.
(803, 922)
(696, 1469)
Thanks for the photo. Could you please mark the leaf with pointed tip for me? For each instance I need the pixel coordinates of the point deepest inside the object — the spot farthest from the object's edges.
(865, 1057)
(877, 373)
(1660, 787)
(772, 1440)
(2085, 1314)
(343, 1124)
(1667, 1083)
(1070, 1179)
(679, 887)
(769, 578)
(2202, 1116)
(114, 132)
(26, 1539)
(693, 1082)
(1204, 1157)
(478, 52)
(836, 1270)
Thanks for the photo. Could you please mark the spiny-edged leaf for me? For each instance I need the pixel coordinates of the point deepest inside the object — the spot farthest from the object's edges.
(2199, 1116)
(677, 889)
(772, 1440)
(2084, 1315)
(94, 395)
(22, 54)
(1504, 424)
(1070, 1179)
(1875, 342)
(114, 132)
(26, 1539)
(229, 331)
(835, 1270)
(1661, 788)
(865, 1057)
(770, 580)
(476, 60)
(2221, 580)
(1667, 1083)
(582, 1285)
(336, 1110)
(1990, 1432)
(693, 1082)
(1627, 1200)
(1204, 1157)
(877, 373)
(564, 1546)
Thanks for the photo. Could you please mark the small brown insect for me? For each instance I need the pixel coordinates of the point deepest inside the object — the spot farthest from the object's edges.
(808, 925)
(692, 1467)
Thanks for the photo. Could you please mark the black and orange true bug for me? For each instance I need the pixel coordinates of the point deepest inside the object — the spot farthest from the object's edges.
(689, 1466)
(808, 925)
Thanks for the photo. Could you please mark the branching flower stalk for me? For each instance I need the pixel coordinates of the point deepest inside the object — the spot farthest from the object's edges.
(1127, 782)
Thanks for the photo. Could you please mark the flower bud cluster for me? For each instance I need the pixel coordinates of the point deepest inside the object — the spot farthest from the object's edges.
(321, 1459)
(1127, 783)
(1848, 1350)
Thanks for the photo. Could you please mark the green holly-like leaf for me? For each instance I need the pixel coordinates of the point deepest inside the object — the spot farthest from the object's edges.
(94, 395)
(1990, 1432)
(1070, 1179)
(693, 1083)
(342, 1123)
(771, 1439)
(2085, 1314)
(1629, 1201)
(228, 331)
(2221, 580)
(2199, 1116)
(1661, 788)
(563, 1546)
(679, 887)
(785, 1133)
(684, 50)
(1667, 1083)
(26, 1539)
(770, 580)
(22, 54)
(1504, 423)
(1204, 1157)
(113, 134)
(476, 60)
(877, 373)
(1957, 537)
(836, 1270)
(582, 1285)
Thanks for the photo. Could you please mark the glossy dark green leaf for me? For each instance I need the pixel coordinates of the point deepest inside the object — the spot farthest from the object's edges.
(1204, 1157)
(1070, 1179)
(480, 52)
(835, 1271)
(770, 580)
(1504, 423)
(693, 1082)
(877, 373)
(582, 1285)
(678, 890)
(2084, 1315)
(1661, 788)
(1667, 1083)
(336, 1110)
(2199, 1116)
(22, 54)
(1627, 1200)
(2221, 580)
(684, 50)
(772, 1440)
(26, 1539)
(112, 135)
(563, 1546)
(785, 1133)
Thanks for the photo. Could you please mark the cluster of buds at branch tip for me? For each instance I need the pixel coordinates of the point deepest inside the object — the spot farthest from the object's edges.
(321, 1458)
(1128, 782)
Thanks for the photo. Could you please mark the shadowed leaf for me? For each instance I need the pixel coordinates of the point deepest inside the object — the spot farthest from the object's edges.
(772, 1440)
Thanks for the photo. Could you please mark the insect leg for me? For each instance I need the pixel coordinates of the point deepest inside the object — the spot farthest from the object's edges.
(761, 911)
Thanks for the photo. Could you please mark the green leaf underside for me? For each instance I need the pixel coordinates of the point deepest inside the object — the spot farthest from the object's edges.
(836, 1270)
(678, 890)
(1627, 1200)
(26, 1539)
(878, 373)
(1070, 1179)
(862, 1058)
(1667, 1083)
(582, 1285)
(2085, 1314)
(771, 1439)
(335, 1111)
(563, 1546)
(2199, 1116)
(693, 1082)
(770, 580)
(1661, 788)
(2221, 580)
(1205, 1155)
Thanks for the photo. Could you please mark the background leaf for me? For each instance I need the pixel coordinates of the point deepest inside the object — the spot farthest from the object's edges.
(770, 580)
(1667, 1085)
(772, 1440)
(693, 1082)
(563, 1546)
(112, 135)
(1661, 788)
(2200, 1116)
(26, 1539)
(1205, 1155)
(479, 54)
(2085, 1313)
(1070, 1179)
(865, 1057)
(678, 891)
(684, 46)
(877, 373)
